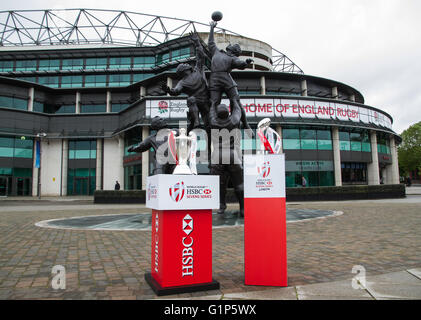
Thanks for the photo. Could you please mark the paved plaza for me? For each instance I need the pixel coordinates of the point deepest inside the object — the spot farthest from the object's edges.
(381, 236)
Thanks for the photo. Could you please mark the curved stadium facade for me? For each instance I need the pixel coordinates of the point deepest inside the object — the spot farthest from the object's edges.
(84, 85)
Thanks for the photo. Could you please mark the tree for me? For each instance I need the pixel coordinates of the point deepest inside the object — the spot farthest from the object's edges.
(409, 151)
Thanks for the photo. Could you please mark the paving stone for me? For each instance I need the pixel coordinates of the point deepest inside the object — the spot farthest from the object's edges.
(394, 291)
(382, 237)
(331, 289)
(269, 294)
(415, 272)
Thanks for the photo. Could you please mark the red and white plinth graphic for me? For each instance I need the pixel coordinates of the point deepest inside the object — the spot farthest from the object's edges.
(181, 255)
(265, 241)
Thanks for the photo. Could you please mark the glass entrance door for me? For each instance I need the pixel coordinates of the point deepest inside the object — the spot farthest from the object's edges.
(3, 186)
(23, 186)
(81, 186)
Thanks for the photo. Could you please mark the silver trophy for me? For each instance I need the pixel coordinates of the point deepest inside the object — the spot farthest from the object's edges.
(269, 138)
(183, 149)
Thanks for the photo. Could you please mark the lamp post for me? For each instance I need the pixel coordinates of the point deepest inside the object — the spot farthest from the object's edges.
(40, 135)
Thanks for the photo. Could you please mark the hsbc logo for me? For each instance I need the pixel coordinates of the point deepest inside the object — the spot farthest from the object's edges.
(264, 170)
(207, 191)
(187, 224)
(187, 252)
(177, 191)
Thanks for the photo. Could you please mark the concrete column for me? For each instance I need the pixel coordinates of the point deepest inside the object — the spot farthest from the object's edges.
(77, 102)
(395, 165)
(279, 131)
(120, 168)
(142, 91)
(373, 175)
(262, 85)
(169, 84)
(64, 166)
(304, 88)
(99, 164)
(145, 159)
(31, 94)
(335, 92)
(336, 157)
(108, 101)
(34, 172)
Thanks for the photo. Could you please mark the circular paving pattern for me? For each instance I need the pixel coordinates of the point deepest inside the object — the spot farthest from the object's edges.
(142, 221)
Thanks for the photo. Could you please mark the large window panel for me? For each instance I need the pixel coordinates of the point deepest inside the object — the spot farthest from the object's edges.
(143, 62)
(72, 64)
(120, 62)
(26, 65)
(49, 64)
(96, 63)
(6, 65)
(119, 79)
(96, 80)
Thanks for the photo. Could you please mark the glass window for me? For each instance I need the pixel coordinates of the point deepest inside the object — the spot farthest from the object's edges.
(6, 65)
(49, 64)
(82, 149)
(141, 76)
(93, 108)
(6, 152)
(72, 64)
(49, 81)
(324, 135)
(324, 144)
(291, 144)
(14, 103)
(26, 65)
(308, 144)
(143, 62)
(355, 146)
(162, 58)
(119, 79)
(354, 173)
(38, 106)
(66, 109)
(181, 53)
(290, 133)
(343, 136)
(120, 62)
(308, 134)
(6, 142)
(16, 147)
(96, 81)
(344, 146)
(71, 81)
(96, 63)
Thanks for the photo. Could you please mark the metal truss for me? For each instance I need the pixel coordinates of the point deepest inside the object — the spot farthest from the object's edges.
(106, 27)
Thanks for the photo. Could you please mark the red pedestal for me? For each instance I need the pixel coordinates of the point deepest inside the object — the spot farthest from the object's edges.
(265, 254)
(181, 251)
(265, 238)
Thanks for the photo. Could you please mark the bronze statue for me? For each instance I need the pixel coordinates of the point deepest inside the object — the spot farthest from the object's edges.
(161, 165)
(220, 78)
(220, 118)
(193, 83)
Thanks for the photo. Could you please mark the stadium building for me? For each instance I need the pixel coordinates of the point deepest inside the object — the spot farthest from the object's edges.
(79, 87)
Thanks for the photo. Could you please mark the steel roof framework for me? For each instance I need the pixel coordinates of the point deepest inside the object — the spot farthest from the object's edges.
(100, 26)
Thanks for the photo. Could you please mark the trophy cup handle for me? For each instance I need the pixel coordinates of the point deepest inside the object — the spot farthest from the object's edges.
(193, 149)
